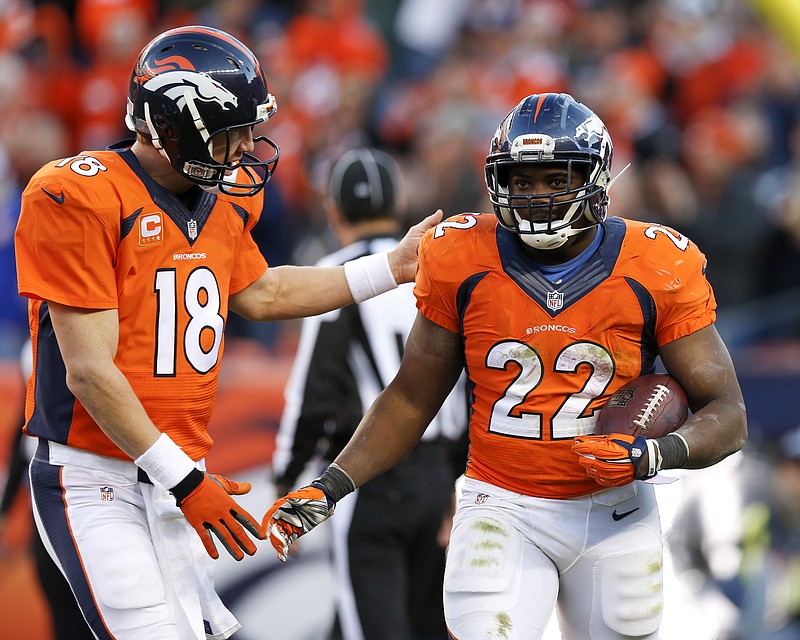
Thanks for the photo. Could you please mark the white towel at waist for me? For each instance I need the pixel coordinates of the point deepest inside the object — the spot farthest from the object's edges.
(187, 568)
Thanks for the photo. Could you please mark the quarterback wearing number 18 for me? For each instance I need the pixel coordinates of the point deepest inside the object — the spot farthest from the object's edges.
(132, 257)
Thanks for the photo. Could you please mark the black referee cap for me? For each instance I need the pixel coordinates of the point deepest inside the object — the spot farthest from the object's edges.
(364, 183)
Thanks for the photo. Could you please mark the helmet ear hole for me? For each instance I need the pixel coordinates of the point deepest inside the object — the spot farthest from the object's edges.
(166, 129)
(597, 209)
(160, 122)
(171, 133)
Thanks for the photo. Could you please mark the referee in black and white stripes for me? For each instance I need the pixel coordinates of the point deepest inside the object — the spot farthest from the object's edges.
(387, 559)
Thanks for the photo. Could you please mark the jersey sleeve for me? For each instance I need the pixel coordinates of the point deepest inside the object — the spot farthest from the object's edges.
(687, 302)
(249, 263)
(65, 249)
(436, 299)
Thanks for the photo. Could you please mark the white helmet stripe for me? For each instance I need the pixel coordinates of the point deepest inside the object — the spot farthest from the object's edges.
(197, 119)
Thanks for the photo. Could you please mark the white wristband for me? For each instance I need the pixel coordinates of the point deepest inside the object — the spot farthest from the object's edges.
(165, 462)
(369, 276)
(654, 459)
(682, 439)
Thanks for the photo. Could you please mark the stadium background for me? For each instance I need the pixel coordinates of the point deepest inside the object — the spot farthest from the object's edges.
(702, 98)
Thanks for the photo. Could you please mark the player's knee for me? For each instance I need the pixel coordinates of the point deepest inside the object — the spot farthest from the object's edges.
(496, 625)
(130, 578)
(630, 591)
(479, 581)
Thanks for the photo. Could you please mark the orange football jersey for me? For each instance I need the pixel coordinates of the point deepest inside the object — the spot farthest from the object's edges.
(96, 232)
(543, 357)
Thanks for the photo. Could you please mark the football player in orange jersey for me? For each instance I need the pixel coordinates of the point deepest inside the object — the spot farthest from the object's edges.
(551, 306)
(132, 258)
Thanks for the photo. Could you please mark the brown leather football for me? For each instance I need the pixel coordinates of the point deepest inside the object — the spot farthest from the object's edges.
(651, 406)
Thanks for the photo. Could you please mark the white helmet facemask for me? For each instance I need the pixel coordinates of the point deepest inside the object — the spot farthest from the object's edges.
(553, 233)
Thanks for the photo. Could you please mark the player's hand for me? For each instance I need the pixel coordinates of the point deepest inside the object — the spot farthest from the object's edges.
(207, 505)
(296, 514)
(403, 258)
(614, 459)
(282, 490)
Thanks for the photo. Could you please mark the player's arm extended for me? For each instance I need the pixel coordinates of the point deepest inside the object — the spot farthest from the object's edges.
(88, 342)
(718, 424)
(395, 422)
(431, 365)
(290, 292)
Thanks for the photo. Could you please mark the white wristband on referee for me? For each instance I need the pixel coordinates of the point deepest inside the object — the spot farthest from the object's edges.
(165, 462)
(369, 276)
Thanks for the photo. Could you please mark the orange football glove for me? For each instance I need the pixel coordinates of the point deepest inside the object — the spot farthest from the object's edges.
(296, 514)
(232, 488)
(615, 459)
(207, 505)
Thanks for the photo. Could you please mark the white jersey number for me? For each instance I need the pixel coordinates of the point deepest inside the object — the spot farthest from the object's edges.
(467, 223)
(678, 239)
(201, 299)
(83, 165)
(568, 421)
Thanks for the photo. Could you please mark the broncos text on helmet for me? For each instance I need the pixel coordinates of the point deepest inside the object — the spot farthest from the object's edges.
(550, 128)
(193, 86)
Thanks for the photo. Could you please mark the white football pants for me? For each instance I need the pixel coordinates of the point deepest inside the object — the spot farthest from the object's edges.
(596, 559)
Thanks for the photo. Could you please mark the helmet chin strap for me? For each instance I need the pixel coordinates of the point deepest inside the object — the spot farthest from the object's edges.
(217, 188)
(547, 241)
(554, 239)
(229, 177)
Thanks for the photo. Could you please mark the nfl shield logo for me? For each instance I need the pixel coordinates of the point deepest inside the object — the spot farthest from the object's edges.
(621, 398)
(192, 224)
(106, 493)
(555, 300)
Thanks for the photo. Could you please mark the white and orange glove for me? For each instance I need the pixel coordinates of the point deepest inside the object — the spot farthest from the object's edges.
(616, 459)
(205, 500)
(298, 512)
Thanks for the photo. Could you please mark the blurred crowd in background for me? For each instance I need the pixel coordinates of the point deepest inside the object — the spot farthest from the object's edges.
(702, 98)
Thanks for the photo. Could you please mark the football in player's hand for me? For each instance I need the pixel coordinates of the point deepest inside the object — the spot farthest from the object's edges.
(651, 406)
